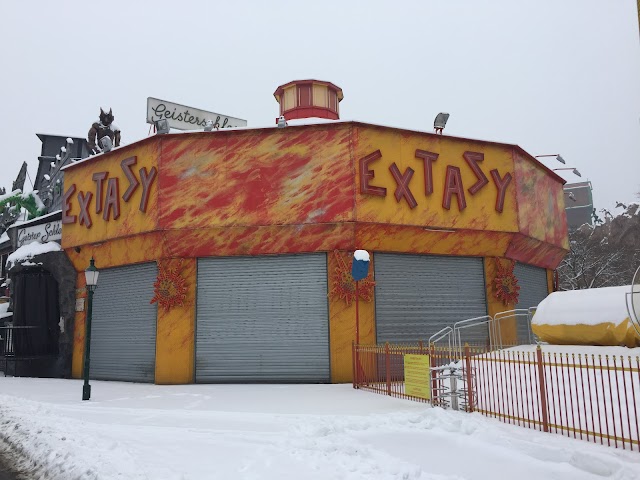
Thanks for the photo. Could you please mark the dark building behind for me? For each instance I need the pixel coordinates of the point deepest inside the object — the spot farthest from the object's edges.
(578, 204)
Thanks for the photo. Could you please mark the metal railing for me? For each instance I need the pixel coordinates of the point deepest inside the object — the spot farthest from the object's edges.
(586, 396)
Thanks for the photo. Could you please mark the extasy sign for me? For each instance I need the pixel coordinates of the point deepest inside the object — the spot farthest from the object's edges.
(452, 182)
(107, 198)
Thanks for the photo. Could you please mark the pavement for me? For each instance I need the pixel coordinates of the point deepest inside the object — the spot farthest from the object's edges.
(5, 473)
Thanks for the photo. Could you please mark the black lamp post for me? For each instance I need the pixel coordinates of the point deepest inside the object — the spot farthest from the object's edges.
(91, 276)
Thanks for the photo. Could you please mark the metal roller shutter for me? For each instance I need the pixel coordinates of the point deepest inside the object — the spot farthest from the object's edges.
(417, 295)
(533, 289)
(533, 285)
(123, 331)
(262, 319)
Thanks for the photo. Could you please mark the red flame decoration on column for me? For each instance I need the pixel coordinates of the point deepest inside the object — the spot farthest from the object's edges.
(345, 287)
(170, 287)
(506, 284)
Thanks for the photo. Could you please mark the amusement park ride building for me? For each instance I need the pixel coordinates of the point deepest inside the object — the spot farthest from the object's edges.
(247, 234)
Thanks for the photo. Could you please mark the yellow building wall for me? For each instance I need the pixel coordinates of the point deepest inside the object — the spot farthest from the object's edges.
(131, 220)
(175, 339)
(508, 326)
(297, 190)
(399, 148)
(342, 321)
(550, 280)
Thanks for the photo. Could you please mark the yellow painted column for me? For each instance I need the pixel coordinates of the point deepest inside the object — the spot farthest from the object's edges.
(495, 305)
(79, 328)
(342, 317)
(550, 280)
(175, 338)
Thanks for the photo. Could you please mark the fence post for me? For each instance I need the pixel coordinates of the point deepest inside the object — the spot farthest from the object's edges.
(353, 362)
(434, 382)
(387, 363)
(467, 361)
(543, 392)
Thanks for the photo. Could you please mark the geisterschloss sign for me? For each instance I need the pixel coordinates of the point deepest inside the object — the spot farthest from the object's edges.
(42, 233)
(182, 117)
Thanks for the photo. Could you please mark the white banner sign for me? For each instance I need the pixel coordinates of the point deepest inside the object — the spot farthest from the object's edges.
(182, 117)
(42, 233)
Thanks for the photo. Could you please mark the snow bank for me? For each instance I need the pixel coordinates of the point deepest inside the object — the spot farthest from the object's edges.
(138, 431)
(27, 252)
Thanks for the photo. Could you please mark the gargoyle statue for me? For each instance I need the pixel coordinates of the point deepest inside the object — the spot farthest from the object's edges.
(104, 128)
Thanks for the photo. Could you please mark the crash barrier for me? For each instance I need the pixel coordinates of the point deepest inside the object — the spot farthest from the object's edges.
(580, 395)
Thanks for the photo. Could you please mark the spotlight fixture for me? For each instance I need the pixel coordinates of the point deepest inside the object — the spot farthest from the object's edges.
(574, 170)
(282, 122)
(440, 122)
(557, 155)
(162, 126)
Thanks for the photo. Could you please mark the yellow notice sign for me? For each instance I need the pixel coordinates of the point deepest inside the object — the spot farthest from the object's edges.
(416, 376)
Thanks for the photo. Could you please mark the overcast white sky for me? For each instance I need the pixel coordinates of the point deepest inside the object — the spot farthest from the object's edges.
(553, 76)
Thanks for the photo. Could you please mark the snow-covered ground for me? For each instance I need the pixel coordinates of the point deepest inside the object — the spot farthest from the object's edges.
(136, 431)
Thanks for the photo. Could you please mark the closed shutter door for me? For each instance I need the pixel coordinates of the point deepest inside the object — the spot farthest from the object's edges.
(533, 289)
(123, 331)
(262, 319)
(417, 295)
(533, 285)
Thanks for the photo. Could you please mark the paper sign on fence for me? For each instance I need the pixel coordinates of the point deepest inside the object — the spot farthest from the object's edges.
(416, 376)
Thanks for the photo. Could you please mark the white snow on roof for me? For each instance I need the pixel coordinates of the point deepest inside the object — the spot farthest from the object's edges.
(27, 252)
(309, 121)
(3, 310)
(10, 194)
(4, 238)
(361, 255)
(35, 220)
(584, 307)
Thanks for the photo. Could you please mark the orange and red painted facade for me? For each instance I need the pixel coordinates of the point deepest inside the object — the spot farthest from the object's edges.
(313, 188)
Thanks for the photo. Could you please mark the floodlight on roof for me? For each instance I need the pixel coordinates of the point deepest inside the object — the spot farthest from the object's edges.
(440, 122)
(162, 126)
(557, 155)
(574, 170)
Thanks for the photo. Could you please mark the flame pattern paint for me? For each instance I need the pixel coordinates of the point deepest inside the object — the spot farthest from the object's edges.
(540, 204)
(269, 177)
(293, 190)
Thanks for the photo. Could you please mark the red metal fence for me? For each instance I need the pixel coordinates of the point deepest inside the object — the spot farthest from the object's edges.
(586, 396)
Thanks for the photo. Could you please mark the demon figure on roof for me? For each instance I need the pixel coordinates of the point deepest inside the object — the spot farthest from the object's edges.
(105, 127)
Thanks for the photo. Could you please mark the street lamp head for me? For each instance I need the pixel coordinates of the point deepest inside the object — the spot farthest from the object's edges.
(91, 276)
(576, 172)
(560, 159)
